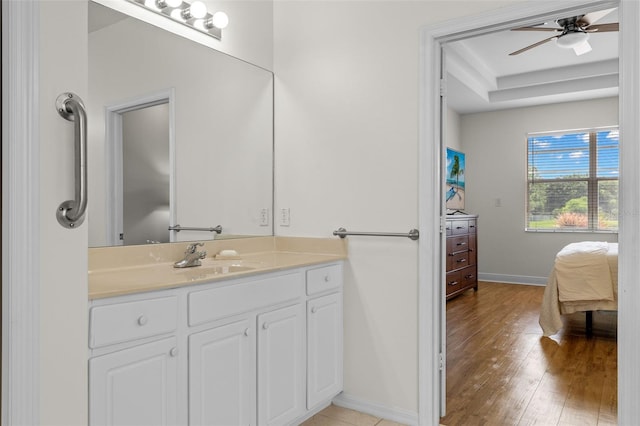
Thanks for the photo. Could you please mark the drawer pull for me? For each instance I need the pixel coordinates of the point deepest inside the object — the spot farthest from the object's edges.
(327, 278)
(265, 326)
(461, 260)
(142, 320)
(461, 244)
(459, 227)
(247, 332)
(454, 253)
(314, 310)
(469, 276)
(173, 352)
(453, 283)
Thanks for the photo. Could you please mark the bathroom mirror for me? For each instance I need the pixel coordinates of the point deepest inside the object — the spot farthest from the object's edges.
(210, 158)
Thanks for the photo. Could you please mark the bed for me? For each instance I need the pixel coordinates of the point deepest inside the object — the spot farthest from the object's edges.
(584, 278)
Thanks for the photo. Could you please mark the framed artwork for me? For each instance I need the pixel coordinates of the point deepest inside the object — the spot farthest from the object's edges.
(454, 180)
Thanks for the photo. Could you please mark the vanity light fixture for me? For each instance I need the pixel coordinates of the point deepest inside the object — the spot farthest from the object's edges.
(193, 15)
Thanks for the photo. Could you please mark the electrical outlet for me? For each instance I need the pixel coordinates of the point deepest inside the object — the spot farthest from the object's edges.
(264, 217)
(285, 217)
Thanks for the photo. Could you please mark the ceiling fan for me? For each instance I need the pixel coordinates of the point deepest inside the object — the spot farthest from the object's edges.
(573, 32)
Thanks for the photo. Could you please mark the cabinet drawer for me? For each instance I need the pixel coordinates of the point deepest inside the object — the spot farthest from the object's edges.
(457, 261)
(459, 227)
(323, 279)
(457, 245)
(468, 276)
(453, 282)
(122, 322)
(220, 302)
(472, 227)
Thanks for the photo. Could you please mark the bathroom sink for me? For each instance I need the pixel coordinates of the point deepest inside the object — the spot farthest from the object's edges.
(198, 272)
(224, 269)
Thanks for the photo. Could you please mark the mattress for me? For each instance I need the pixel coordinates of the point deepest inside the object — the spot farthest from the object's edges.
(568, 273)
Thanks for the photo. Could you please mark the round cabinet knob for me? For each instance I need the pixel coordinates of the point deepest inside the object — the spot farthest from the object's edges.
(173, 352)
(265, 326)
(142, 320)
(247, 331)
(314, 310)
(327, 278)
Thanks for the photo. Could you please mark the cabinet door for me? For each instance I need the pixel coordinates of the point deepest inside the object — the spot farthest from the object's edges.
(222, 375)
(281, 365)
(324, 348)
(136, 386)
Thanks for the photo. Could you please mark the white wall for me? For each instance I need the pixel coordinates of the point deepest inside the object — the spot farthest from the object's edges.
(496, 148)
(346, 155)
(453, 129)
(63, 252)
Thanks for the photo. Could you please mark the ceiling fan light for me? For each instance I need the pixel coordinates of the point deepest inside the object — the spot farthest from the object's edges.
(572, 40)
(583, 48)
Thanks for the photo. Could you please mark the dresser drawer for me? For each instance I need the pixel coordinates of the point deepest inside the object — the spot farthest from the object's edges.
(122, 322)
(233, 299)
(468, 276)
(453, 282)
(459, 227)
(457, 244)
(457, 261)
(323, 279)
(472, 226)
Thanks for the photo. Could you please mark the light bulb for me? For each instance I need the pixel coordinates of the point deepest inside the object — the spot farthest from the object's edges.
(197, 10)
(152, 4)
(220, 20)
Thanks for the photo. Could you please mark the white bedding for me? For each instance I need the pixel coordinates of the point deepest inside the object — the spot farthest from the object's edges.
(584, 278)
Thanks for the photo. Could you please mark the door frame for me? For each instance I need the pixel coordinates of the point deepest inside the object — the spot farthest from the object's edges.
(20, 213)
(113, 154)
(431, 309)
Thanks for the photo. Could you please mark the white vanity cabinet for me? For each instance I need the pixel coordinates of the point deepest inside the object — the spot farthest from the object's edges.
(260, 350)
(222, 375)
(281, 365)
(324, 334)
(137, 383)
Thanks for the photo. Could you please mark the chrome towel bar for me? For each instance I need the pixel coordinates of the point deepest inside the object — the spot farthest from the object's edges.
(413, 234)
(178, 228)
(70, 213)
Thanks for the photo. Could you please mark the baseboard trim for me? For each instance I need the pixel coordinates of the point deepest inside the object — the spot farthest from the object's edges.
(512, 279)
(395, 414)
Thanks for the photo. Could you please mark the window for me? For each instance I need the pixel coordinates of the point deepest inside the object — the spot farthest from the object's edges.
(573, 181)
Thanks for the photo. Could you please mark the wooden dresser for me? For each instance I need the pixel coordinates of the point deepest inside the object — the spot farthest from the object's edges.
(462, 254)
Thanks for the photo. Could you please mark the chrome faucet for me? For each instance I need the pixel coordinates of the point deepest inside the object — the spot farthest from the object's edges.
(192, 257)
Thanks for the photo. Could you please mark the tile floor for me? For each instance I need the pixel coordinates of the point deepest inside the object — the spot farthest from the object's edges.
(338, 416)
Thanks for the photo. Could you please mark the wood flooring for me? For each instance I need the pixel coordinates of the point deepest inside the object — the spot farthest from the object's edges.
(501, 371)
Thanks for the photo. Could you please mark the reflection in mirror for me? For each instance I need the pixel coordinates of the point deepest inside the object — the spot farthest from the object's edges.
(145, 175)
(211, 157)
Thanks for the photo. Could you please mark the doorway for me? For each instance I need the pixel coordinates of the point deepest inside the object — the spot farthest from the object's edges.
(140, 156)
(431, 300)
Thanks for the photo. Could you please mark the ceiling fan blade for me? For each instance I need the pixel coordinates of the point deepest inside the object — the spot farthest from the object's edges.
(603, 28)
(536, 29)
(593, 17)
(524, 49)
